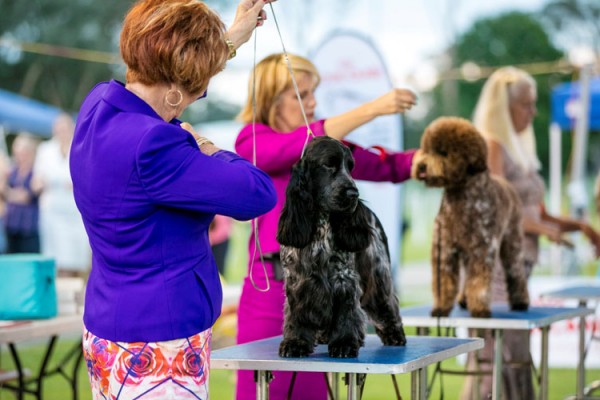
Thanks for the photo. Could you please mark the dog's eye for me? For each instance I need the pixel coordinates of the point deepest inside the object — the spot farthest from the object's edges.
(330, 167)
(443, 153)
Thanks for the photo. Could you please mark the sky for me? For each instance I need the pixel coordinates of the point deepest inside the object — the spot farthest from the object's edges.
(405, 32)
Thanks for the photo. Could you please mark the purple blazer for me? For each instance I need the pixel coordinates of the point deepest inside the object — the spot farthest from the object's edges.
(147, 196)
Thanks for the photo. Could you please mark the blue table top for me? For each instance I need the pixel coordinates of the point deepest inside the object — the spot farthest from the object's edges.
(502, 317)
(580, 292)
(373, 358)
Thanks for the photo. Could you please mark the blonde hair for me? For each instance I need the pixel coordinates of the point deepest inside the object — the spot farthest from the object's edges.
(492, 116)
(173, 41)
(25, 144)
(272, 78)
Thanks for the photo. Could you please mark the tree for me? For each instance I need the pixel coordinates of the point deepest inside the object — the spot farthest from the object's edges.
(56, 50)
(49, 70)
(574, 21)
(513, 38)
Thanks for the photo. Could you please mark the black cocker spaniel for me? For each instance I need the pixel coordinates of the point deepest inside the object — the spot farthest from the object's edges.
(335, 258)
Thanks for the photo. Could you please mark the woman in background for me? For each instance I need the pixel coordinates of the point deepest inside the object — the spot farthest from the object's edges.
(62, 234)
(278, 138)
(504, 114)
(22, 202)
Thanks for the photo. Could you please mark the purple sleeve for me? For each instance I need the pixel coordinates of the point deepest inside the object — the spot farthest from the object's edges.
(175, 173)
(380, 165)
(275, 151)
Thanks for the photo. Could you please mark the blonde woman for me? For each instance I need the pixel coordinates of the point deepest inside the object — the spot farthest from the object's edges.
(504, 115)
(278, 139)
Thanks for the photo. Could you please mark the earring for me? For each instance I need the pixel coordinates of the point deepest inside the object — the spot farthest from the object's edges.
(178, 102)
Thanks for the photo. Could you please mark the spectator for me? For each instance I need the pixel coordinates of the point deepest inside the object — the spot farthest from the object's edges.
(22, 208)
(4, 171)
(62, 234)
(218, 235)
(504, 115)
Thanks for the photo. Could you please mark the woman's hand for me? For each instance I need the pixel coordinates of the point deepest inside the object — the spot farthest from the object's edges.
(556, 235)
(206, 146)
(593, 236)
(393, 102)
(249, 15)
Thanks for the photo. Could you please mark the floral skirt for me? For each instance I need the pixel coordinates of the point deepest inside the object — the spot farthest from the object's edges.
(174, 369)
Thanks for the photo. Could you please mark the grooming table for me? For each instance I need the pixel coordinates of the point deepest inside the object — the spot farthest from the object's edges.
(583, 294)
(374, 358)
(13, 332)
(502, 319)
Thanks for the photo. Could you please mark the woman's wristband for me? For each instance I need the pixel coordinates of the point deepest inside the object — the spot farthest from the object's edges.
(200, 141)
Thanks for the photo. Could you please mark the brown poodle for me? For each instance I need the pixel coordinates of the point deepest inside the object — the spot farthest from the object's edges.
(478, 222)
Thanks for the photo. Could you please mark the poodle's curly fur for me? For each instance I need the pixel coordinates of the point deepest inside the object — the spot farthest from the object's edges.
(335, 258)
(479, 220)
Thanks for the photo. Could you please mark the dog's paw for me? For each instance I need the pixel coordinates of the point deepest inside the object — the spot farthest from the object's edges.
(484, 313)
(293, 348)
(394, 338)
(519, 306)
(438, 312)
(343, 349)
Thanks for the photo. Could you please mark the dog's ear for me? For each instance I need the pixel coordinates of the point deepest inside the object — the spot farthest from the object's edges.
(298, 220)
(477, 153)
(352, 232)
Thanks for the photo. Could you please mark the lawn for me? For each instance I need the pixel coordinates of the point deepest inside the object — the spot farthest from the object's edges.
(562, 381)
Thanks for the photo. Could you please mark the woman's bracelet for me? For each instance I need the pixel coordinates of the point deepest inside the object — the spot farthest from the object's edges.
(231, 46)
(200, 141)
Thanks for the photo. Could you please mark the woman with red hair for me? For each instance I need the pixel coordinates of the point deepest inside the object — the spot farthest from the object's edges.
(148, 188)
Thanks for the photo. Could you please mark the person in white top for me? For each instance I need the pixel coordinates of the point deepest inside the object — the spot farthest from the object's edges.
(62, 234)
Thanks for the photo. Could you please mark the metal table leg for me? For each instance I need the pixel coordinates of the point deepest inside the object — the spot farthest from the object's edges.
(262, 379)
(580, 365)
(334, 383)
(418, 384)
(497, 372)
(544, 365)
(352, 382)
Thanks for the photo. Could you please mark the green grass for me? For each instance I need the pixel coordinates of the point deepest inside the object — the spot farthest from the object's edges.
(222, 383)
(420, 206)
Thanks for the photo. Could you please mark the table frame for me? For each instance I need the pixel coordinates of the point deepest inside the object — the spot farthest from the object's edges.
(21, 331)
(262, 357)
(582, 294)
(502, 319)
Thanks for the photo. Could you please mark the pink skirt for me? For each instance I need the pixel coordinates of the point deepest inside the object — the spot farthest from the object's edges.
(174, 369)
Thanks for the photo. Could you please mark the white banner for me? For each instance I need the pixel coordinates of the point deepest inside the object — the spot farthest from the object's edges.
(352, 73)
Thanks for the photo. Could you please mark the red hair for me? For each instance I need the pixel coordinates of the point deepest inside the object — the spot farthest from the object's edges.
(173, 41)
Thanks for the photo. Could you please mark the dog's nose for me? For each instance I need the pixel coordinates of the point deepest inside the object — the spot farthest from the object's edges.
(421, 168)
(352, 193)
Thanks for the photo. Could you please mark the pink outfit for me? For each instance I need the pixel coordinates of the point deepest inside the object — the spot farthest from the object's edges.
(260, 314)
(220, 229)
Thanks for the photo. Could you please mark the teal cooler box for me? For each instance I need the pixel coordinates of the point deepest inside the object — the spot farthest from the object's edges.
(27, 287)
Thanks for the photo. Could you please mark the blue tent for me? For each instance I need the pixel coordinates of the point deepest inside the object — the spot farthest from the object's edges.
(18, 113)
(564, 98)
